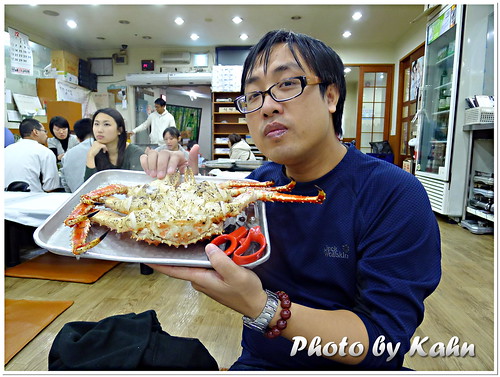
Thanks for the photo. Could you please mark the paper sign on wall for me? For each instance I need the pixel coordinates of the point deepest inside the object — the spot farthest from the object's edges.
(21, 56)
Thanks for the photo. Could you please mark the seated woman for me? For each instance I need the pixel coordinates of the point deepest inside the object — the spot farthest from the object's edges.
(110, 149)
(172, 137)
(62, 140)
(239, 149)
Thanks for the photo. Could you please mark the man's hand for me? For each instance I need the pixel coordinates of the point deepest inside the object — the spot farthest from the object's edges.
(229, 284)
(159, 164)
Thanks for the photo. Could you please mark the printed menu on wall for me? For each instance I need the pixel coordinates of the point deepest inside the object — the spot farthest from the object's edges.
(21, 56)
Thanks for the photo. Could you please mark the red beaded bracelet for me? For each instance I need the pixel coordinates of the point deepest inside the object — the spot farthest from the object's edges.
(285, 315)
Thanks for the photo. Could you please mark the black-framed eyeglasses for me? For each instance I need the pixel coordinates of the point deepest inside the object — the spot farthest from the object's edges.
(282, 91)
(42, 129)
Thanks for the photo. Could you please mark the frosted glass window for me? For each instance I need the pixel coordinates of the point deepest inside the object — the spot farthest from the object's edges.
(381, 79)
(379, 110)
(379, 95)
(366, 125)
(378, 125)
(365, 140)
(405, 111)
(368, 94)
(413, 108)
(367, 110)
(369, 79)
(377, 136)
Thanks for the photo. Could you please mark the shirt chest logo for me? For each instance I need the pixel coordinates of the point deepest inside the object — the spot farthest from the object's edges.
(335, 251)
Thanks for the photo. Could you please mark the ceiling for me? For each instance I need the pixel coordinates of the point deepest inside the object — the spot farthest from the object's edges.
(381, 25)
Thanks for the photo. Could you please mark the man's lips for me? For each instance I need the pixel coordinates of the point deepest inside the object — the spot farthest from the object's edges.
(274, 129)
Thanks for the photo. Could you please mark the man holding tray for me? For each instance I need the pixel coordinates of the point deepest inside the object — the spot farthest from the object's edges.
(345, 283)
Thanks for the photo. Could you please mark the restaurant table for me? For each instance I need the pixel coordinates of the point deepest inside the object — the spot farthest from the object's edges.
(23, 213)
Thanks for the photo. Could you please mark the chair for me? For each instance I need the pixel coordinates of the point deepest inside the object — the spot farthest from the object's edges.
(18, 186)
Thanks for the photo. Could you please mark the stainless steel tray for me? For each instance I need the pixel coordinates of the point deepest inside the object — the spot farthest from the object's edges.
(54, 236)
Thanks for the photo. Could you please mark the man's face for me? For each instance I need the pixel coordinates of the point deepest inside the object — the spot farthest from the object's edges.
(288, 132)
(159, 109)
(40, 134)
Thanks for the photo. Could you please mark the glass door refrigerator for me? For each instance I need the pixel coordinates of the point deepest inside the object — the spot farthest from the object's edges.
(441, 163)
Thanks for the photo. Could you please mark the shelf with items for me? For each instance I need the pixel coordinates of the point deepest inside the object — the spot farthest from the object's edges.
(226, 120)
(479, 206)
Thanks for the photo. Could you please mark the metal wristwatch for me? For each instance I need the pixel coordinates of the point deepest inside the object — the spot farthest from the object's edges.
(261, 323)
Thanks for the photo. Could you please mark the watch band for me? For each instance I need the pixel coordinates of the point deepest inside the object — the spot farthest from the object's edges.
(261, 323)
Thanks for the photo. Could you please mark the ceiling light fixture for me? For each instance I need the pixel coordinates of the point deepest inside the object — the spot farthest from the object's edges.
(356, 16)
(295, 18)
(71, 24)
(124, 22)
(346, 34)
(146, 37)
(237, 20)
(101, 38)
(244, 37)
(194, 36)
(179, 21)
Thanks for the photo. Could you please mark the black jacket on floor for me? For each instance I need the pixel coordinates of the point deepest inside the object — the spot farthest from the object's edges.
(126, 342)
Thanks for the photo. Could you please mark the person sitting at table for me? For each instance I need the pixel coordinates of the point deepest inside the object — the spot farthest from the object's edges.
(239, 149)
(8, 137)
(172, 137)
(73, 166)
(29, 160)
(62, 140)
(110, 149)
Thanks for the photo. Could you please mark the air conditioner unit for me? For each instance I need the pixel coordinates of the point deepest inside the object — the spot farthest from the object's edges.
(152, 79)
(176, 57)
(147, 79)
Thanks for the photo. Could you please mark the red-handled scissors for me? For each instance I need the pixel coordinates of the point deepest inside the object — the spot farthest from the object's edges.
(240, 241)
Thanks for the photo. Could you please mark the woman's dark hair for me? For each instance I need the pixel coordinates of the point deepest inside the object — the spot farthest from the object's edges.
(174, 131)
(101, 159)
(319, 57)
(234, 138)
(61, 123)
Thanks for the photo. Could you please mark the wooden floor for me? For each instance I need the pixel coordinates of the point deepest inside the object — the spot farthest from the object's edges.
(462, 306)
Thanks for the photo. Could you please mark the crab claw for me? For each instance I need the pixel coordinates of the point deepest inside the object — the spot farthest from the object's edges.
(77, 250)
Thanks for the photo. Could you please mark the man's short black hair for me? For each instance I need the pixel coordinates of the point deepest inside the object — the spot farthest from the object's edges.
(319, 57)
(161, 102)
(83, 128)
(27, 126)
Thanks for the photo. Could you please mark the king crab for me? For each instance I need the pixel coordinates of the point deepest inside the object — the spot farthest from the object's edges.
(170, 212)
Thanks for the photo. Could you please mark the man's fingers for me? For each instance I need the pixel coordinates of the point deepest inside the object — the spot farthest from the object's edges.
(221, 263)
(193, 158)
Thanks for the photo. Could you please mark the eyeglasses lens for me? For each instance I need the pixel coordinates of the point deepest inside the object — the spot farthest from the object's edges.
(283, 90)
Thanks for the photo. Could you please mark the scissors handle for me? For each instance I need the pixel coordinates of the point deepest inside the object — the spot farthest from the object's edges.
(232, 237)
(254, 236)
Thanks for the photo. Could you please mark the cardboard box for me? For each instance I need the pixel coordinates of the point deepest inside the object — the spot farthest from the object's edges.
(65, 61)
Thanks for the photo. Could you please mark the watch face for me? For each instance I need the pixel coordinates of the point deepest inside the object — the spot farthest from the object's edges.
(148, 65)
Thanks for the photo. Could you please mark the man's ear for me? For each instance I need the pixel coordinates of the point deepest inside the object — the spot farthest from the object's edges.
(332, 97)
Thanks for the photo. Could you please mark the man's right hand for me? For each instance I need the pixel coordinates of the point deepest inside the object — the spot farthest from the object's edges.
(159, 164)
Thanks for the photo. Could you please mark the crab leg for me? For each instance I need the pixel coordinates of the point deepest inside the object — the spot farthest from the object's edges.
(94, 196)
(79, 214)
(267, 196)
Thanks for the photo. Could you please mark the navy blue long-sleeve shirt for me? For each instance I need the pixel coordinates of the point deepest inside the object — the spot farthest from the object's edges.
(373, 247)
